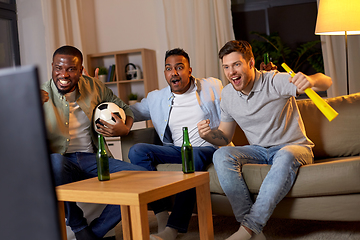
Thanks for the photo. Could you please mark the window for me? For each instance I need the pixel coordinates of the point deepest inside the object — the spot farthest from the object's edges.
(9, 40)
(293, 20)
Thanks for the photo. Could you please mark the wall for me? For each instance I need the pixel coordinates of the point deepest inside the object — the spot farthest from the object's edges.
(122, 25)
(116, 25)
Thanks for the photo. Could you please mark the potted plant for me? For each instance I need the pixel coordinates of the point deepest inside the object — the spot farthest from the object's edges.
(305, 53)
(133, 98)
(103, 73)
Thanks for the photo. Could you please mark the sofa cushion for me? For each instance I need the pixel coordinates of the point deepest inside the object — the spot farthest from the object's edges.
(214, 180)
(333, 177)
(337, 138)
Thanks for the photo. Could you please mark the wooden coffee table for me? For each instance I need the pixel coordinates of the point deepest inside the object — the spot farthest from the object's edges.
(133, 190)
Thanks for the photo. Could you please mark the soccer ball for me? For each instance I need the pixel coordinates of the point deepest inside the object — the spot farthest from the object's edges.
(103, 111)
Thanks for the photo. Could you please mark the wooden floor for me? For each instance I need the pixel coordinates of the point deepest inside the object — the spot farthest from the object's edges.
(282, 229)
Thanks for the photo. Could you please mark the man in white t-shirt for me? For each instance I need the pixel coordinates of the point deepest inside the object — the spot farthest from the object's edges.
(184, 103)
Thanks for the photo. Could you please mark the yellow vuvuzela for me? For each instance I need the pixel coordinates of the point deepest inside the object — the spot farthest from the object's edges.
(323, 106)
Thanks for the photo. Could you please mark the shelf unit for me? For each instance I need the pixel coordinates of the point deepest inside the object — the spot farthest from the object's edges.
(144, 58)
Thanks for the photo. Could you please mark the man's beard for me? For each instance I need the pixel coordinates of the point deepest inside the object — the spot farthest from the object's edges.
(63, 92)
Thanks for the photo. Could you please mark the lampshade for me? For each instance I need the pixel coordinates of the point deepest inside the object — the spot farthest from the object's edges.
(337, 16)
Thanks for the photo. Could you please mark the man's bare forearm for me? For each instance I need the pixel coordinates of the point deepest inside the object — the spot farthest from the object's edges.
(217, 138)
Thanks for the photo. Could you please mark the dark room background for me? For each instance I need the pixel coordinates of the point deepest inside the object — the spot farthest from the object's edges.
(292, 22)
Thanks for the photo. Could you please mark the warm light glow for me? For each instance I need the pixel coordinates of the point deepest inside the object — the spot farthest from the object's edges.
(337, 16)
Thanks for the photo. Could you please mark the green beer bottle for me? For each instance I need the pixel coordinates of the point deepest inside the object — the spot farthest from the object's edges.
(187, 153)
(266, 58)
(102, 160)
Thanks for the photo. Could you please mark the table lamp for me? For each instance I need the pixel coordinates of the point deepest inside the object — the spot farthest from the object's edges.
(339, 18)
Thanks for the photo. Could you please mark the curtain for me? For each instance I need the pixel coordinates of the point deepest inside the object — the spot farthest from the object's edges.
(63, 22)
(201, 28)
(334, 54)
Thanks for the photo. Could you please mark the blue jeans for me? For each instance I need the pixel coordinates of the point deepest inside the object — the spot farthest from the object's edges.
(149, 155)
(285, 161)
(78, 166)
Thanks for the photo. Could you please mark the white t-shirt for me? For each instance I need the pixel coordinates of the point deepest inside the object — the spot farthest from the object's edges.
(79, 127)
(186, 112)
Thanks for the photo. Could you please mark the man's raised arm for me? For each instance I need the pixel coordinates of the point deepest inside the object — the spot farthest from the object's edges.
(221, 136)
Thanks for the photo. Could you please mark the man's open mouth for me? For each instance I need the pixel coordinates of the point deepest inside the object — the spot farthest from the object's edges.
(175, 81)
(236, 79)
(64, 82)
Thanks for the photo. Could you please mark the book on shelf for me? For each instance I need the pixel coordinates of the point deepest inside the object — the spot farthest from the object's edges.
(109, 74)
(112, 77)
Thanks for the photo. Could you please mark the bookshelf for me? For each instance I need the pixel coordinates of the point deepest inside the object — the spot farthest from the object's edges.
(143, 58)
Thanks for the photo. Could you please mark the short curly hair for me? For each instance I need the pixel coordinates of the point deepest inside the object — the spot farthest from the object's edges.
(177, 52)
(69, 50)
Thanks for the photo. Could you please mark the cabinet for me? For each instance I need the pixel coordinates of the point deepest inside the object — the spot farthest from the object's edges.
(143, 58)
(114, 143)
